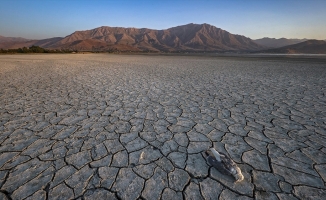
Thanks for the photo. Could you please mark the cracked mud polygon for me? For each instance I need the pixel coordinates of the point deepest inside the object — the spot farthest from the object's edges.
(132, 126)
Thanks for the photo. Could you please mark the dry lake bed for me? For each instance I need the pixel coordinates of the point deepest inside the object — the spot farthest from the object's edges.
(101, 126)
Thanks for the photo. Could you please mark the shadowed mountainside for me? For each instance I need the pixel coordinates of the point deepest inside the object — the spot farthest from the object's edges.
(190, 37)
(308, 47)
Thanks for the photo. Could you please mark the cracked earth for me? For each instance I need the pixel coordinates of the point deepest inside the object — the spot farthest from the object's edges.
(135, 127)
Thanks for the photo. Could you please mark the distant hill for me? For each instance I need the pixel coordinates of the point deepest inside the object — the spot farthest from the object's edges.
(275, 43)
(190, 37)
(308, 47)
(12, 39)
(29, 43)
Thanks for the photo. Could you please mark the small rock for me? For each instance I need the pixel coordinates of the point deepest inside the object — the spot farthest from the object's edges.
(144, 156)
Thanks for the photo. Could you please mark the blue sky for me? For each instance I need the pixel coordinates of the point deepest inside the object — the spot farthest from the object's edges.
(38, 19)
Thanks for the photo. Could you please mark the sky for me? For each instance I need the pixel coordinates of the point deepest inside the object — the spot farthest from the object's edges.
(40, 19)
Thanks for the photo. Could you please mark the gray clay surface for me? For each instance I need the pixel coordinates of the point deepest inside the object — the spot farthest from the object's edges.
(101, 126)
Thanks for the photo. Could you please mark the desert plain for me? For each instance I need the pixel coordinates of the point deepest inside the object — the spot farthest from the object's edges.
(102, 126)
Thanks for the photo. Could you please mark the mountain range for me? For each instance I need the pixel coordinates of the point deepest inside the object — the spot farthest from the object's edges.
(12, 39)
(276, 43)
(189, 37)
(306, 47)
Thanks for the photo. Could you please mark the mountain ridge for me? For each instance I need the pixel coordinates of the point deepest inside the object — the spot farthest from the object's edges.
(12, 39)
(280, 42)
(189, 37)
(306, 47)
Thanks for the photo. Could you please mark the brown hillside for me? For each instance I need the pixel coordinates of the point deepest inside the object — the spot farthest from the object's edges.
(190, 37)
